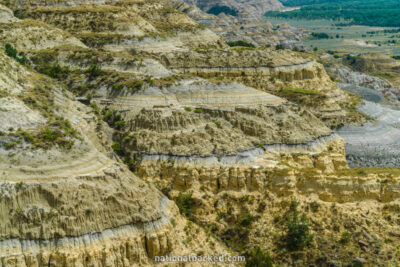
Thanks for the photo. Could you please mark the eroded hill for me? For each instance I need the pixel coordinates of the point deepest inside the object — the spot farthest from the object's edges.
(137, 105)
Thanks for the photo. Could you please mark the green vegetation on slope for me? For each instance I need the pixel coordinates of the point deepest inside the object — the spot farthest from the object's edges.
(357, 12)
(216, 10)
(240, 43)
(12, 52)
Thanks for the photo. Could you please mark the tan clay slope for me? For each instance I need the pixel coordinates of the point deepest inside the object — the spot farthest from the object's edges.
(188, 116)
(62, 201)
(6, 15)
(32, 35)
(280, 72)
(182, 115)
(201, 118)
(158, 31)
(151, 25)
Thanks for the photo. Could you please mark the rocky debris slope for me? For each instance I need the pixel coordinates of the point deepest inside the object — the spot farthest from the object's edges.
(347, 76)
(375, 143)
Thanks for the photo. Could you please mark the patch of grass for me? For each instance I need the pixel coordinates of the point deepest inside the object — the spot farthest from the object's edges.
(357, 172)
(291, 91)
(19, 185)
(58, 132)
(258, 258)
(10, 145)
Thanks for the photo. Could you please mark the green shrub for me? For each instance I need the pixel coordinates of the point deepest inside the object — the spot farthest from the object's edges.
(246, 220)
(186, 204)
(28, 137)
(50, 135)
(241, 43)
(357, 263)
(19, 185)
(119, 125)
(198, 110)
(135, 85)
(53, 70)
(94, 71)
(297, 229)
(345, 237)
(188, 109)
(116, 147)
(258, 258)
(319, 35)
(12, 52)
(10, 145)
(361, 172)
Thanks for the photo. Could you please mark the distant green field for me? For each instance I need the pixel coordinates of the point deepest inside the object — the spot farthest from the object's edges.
(356, 12)
(351, 38)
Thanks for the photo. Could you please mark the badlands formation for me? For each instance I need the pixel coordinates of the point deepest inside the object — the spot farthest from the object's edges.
(247, 25)
(130, 131)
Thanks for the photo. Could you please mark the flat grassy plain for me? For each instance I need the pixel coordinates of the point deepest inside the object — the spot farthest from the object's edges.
(351, 38)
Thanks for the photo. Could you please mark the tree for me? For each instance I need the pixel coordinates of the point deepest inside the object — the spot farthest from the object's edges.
(297, 229)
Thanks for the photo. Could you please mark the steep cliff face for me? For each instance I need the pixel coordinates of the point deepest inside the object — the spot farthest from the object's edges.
(249, 204)
(217, 128)
(62, 200)
(232, 135)
(284, 73)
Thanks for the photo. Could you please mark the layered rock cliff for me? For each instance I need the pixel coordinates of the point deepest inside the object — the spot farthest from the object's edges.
(284, 73)
(64, 199)
(169, 112)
